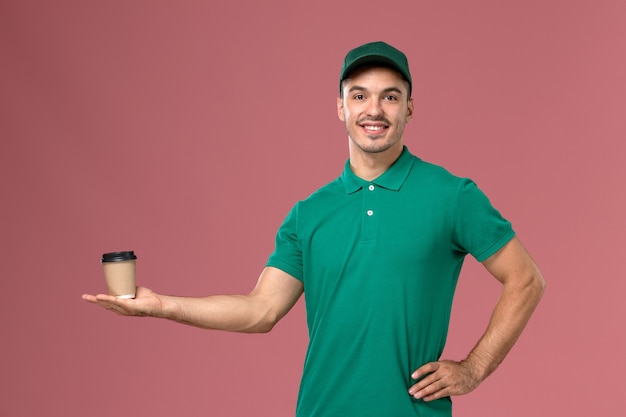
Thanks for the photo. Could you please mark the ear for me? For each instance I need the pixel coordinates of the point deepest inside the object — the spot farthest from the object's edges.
(340, 113)
(409, 110)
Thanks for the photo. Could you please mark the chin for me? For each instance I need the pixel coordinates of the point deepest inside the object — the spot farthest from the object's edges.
(375, 148)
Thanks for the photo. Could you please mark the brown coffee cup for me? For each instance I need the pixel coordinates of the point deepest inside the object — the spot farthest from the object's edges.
(119, 273)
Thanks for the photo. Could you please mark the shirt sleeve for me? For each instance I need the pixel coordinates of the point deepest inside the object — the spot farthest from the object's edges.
(287, 255)
(479, 229)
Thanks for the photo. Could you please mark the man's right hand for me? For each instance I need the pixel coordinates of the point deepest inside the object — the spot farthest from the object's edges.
(145, 303)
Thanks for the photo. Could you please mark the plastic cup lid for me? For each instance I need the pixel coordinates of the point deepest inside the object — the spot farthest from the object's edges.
(118, 256)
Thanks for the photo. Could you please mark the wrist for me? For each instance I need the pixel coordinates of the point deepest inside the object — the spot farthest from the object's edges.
(169, 308)
(478, 366)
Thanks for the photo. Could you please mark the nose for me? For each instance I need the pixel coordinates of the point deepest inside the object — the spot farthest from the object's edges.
(374, 108)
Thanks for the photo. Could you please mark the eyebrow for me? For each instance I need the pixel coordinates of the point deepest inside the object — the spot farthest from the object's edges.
(386, 90)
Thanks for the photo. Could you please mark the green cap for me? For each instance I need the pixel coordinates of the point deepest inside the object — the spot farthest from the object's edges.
(376, 53)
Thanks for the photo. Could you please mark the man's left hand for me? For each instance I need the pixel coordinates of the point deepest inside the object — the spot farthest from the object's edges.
(443, 379)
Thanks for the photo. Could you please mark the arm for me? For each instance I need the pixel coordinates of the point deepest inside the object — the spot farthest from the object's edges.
(257, 312)
(522, 289)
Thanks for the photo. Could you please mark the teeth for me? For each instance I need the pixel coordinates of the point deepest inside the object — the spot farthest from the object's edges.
(374, 127)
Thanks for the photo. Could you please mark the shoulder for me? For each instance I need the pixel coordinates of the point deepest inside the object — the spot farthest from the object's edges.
(435, 177)
(319, 199)
(325, 193)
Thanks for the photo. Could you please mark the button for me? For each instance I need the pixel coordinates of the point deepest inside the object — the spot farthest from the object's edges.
(371, 187)
(370, 212)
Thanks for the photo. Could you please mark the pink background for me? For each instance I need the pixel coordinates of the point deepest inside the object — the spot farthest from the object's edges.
(186, 130)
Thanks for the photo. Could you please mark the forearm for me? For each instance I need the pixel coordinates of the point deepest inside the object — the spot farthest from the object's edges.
(511, 314)
(237, 313)
(274, 295)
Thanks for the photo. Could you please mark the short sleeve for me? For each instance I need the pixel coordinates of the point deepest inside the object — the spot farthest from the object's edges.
(478, 228)
(287, 255)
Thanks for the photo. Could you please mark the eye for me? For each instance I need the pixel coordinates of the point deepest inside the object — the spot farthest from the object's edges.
(359, 97)
(391, 98)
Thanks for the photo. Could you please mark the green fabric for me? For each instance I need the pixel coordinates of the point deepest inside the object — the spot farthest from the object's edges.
(379, 285)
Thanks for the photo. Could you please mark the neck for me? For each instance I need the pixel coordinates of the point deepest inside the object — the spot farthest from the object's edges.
(371, 165)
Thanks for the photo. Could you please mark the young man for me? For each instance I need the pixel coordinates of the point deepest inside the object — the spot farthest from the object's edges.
(378, 252)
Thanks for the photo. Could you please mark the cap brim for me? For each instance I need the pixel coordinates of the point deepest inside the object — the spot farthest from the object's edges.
(371, 60)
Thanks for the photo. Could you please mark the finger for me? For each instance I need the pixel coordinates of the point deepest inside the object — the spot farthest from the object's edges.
(106, 297)
(427, 368)
(89, 297)
(426, 385)
(443, 391)
(432, 391)
(426, 381)
(96, 299)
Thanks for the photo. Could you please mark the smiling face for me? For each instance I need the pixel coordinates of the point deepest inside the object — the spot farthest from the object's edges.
(375, 106)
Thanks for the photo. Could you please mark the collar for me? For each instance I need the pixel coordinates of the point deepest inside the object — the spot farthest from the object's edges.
(391, 179)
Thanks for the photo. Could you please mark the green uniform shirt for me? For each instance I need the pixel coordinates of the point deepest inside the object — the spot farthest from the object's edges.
(379, 261)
